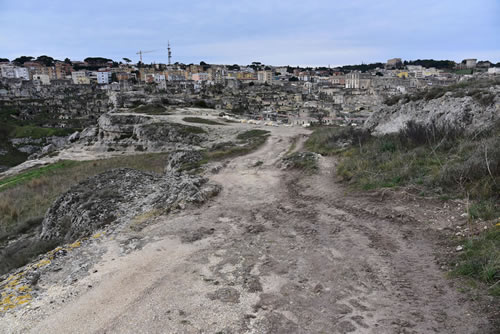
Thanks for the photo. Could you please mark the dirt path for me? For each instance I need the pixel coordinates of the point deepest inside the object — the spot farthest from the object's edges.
(275, 252)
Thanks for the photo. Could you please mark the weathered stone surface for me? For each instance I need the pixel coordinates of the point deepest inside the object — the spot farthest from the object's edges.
(461, 112)
(119, 132)
(178, 159)
(118, 195)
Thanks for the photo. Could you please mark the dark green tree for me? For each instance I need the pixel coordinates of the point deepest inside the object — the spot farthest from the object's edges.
(45, 60)
(127, 60)
(97, 60)
(21, 60)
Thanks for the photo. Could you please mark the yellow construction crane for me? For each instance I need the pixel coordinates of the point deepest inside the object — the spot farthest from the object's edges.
(140, 52)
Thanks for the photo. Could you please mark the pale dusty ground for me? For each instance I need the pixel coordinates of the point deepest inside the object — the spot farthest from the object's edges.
(80, 152)
(288, 253)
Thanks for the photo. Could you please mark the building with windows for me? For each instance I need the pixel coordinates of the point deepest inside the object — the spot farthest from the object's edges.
(265, 76)
(103, 78)
(80, 78)
(42, 79)
(356, 80)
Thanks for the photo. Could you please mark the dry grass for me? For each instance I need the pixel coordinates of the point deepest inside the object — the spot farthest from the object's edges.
(28, 195)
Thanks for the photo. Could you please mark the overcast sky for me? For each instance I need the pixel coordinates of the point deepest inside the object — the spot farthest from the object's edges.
(295, 32)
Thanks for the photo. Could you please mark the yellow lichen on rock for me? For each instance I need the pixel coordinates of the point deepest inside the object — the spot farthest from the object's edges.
(42, 263)
(23, 288)
(98, 235)
(75, 244)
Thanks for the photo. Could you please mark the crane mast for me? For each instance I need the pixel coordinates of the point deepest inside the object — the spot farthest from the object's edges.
(169, 54)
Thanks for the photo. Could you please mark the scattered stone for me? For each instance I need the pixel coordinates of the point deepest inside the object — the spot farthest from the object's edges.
(226, 295)
(255, 229)
(192, 236)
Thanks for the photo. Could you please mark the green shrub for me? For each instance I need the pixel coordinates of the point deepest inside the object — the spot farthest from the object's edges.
(201, 121)
(480, 259)
(151, 109)
(252, 134)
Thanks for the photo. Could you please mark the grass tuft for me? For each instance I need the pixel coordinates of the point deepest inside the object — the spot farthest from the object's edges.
(151, 109)
(480, 259)
(200, 121)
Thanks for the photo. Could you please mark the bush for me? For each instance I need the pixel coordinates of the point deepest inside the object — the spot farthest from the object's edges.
(252, 134)
(151, 109)
(481, 259)
(437, 160)
(418, 134)
(305, 161)
(330, 140)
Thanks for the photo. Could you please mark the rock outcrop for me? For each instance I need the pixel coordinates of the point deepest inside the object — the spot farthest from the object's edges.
(467, 113)
(118, 195)
(129, 132)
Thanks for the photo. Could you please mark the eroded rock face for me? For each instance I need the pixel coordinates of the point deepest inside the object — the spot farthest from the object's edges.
(459, 112)
(178, 159)
(116, 196)
(119, 132)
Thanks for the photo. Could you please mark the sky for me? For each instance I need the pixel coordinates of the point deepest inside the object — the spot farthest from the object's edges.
(291, 32)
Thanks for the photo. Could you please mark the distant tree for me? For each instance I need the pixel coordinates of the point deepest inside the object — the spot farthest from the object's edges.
(127, 60)
(45, 60)
(4, 60)
(361, 67)
(202, 63)
(23, 59)
(114, 78)
(379, 74)
(234, 67)
(439, 64)
(97, 60)
(67, 61)
(289, 69)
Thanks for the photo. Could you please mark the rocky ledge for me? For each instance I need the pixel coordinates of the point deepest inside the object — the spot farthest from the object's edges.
(118, 195)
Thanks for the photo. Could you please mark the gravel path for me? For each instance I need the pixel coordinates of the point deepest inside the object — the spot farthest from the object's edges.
(276, 252)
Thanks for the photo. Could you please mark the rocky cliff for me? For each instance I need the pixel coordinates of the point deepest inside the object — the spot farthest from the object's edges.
(470, 110)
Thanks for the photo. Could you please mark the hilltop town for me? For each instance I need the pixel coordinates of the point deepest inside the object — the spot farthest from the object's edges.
(286, 94)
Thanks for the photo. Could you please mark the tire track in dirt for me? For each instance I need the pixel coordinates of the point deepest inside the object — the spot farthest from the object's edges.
(287, 252)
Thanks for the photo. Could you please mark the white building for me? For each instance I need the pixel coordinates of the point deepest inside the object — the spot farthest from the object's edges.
(494, 70)
(13, 72)
(355, 80)
(43, 79)
(22, 73)
(103, 78)
(159, 78)
(7, 71)
(80, 78)
(470, 63)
